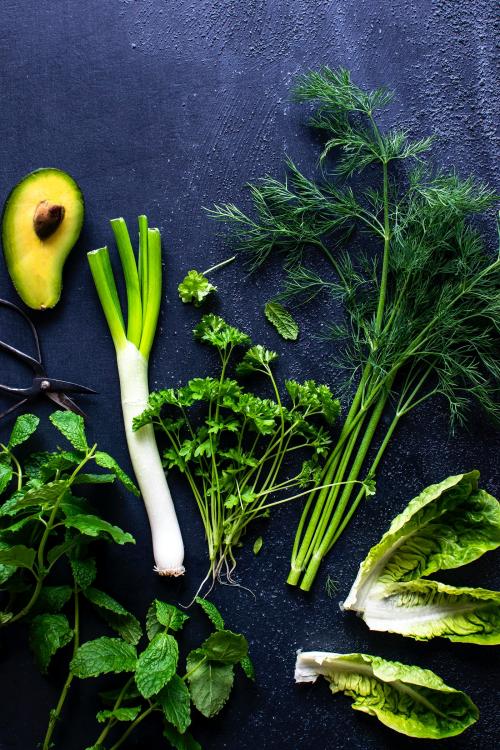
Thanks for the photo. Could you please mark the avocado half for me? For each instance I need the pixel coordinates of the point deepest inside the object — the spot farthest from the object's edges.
(42, 220)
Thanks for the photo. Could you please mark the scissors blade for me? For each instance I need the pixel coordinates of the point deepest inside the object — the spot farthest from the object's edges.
(65, 402)
(50, 385)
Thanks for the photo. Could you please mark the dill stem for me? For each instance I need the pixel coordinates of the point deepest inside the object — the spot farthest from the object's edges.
(319, 554)
(385, 262)
(327, 476)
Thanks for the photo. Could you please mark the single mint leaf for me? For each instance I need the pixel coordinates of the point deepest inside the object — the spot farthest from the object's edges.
(211, 612)
(71, 425)
(225, 646)
(19, 556)
(94, 479)
(84, 571)
(257, 545)
(108, 462)
(120, 714)
(210, 682)
(180, 741)
(6, 570)
(248, 667)
(169, 616)
(195, 287)
(157, 664)
(115, 615)
(102, 656)
(48, 633)
(44, 495)
(175, 701)
(282, 320)
(95, 526)
(59, 550)
(24, 427)
(6, 474)
(52, 599)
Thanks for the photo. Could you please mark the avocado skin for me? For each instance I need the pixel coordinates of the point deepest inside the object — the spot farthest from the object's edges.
(35, 265)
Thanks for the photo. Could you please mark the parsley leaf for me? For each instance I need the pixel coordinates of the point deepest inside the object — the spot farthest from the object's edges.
(195, 287)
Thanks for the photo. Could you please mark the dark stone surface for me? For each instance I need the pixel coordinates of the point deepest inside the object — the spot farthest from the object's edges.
(162, 107)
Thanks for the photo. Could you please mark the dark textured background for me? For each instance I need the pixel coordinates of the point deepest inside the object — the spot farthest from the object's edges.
(163, 107)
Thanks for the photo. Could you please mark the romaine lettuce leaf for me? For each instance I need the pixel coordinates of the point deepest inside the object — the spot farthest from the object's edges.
(408, 699)
(448, 525)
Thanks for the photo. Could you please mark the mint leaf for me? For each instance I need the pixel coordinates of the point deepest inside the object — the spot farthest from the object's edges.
(175, 701)
(162, 615)
(41, 495)
(52, 599)
(195, 287)
(257, 545)
(102, 656)
(157, 664)
(211, 612)
(84, 571)
(95, 526)
(71, 425)
(180, 741)
(6, 474)
(19, 556)
(282, 320)
(120, 714)
(108, 462)
(94, 479)
(24, 427)
(6, 570)
(48, 633)
(210, 683)
(248, 667)
(225, 646)
(117, 617)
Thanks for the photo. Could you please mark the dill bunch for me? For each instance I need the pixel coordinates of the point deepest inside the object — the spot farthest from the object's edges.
(421, 303)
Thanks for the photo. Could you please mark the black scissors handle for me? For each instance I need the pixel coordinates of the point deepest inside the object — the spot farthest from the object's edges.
(21, 355)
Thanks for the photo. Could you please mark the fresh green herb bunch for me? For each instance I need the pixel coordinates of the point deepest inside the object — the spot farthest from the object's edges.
(233, 453)
(422, 305)
(43, 525)
(154, 683)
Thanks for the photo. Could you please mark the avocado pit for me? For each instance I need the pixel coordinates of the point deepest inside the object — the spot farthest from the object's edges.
(47, 218)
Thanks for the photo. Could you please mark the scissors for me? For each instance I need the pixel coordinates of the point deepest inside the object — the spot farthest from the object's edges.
(42, 385)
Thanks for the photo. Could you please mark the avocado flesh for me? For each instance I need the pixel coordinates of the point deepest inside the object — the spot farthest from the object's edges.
(35, 263)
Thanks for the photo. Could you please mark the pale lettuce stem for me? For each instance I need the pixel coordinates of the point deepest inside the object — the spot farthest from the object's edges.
(129, 264)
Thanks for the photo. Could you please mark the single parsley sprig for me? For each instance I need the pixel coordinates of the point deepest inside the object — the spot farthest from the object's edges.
(233, 445)
(154, 683)
(422, 310)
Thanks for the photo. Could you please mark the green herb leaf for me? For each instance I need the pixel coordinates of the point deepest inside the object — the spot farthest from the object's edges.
(225, 646)
(115, 615)
(256, 359)
(52, 599)
(157, 664)
(213, 330)
(248, 667)
(108, 462)
(102, 656)
(211, 612)
(84, 571)
(72, 426)
(6, 569)
(195, 287)
(95, 526)
(120, 714)
(19, 556)
(210, 683)
(180, 741)
(6, 474)
(257, 545)
(175, 701)
(24, 427)
(161, 615)
(48, 633)
(282, 320)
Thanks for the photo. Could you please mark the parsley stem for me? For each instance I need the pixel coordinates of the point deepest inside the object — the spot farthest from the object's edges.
(219, 265)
